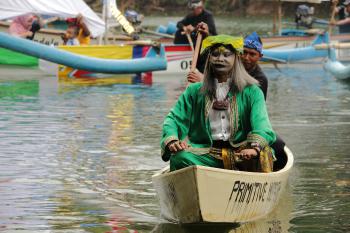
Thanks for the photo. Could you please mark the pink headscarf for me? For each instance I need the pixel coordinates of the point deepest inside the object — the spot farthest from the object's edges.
(19, 24)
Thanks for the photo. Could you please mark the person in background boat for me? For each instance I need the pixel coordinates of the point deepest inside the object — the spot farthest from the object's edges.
(84, 32)
(21, 26)
(71, 36)
(344, 17)
(27, 25)
(221, 122)
(188, 24)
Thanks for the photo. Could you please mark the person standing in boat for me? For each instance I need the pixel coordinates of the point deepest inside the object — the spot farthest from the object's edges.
(344, 17)
(188, 24)
(84, 32)
(221, 122)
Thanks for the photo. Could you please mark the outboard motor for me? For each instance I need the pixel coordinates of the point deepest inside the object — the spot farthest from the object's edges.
(135, 19)
(304, 16)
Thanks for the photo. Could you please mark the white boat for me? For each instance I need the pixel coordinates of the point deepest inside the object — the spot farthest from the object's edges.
(204, 194)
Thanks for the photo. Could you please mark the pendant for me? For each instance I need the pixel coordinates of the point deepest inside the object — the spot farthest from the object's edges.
(221, 105)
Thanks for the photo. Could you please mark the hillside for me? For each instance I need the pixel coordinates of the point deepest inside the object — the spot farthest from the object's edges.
(228, 7)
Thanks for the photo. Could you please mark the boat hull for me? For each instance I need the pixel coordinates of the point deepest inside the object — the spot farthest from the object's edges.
(203, 194)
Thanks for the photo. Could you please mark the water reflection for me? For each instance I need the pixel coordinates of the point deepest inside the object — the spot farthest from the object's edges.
(19, 89)
(255, 227)
(79, 158)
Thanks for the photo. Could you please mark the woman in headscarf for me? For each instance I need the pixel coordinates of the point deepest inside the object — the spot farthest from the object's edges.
(222, 122)
(21, 26)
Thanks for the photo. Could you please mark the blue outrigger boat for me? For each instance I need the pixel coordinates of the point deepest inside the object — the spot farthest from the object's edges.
(153, 61)
(296, 54)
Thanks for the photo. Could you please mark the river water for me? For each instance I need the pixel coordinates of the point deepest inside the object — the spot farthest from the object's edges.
(79, 158)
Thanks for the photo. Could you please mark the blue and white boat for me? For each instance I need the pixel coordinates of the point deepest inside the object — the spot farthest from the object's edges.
(296, 54)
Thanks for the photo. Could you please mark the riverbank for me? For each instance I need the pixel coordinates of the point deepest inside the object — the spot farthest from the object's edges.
(224, 8)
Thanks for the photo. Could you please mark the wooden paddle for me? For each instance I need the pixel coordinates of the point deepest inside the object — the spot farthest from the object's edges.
(142, 42)
(188, 38)
(157, 33)
(196, 52)
(334, 9)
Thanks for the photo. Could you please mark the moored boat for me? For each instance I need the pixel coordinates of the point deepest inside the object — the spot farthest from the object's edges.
(203, 194)
(296, 54)
(178, 57)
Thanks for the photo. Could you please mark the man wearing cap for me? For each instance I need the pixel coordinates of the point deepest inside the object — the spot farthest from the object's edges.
(190, 22)
(344, 17)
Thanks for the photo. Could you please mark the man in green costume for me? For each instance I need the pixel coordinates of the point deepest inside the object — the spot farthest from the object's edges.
(221, 122)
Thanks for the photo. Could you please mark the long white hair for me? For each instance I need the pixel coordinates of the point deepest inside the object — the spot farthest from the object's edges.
(239, 78)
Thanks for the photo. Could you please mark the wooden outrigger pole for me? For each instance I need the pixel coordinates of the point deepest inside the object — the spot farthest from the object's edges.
(277, 17)
(332, 19)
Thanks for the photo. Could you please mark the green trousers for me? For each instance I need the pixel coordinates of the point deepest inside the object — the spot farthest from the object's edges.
(184, 159)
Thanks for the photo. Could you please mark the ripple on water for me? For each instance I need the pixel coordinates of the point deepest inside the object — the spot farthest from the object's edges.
(81, 159)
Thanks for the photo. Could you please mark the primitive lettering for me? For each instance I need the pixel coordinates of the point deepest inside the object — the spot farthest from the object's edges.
(255, 191)
(274, 189)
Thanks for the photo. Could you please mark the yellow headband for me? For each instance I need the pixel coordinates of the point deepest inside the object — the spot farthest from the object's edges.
(235, 42)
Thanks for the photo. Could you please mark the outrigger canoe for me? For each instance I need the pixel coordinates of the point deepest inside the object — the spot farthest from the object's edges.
(199, 194)
(296, 54)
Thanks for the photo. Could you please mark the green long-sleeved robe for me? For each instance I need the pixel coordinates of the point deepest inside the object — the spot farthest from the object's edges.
(189, 118)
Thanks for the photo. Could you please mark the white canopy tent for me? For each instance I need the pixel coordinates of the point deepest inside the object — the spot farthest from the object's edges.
(61, 8)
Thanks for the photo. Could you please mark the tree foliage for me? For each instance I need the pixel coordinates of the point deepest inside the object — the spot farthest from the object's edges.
(179, 7)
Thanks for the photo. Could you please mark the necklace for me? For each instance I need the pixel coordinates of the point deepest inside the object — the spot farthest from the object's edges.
(221, 105)
(221, 101)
